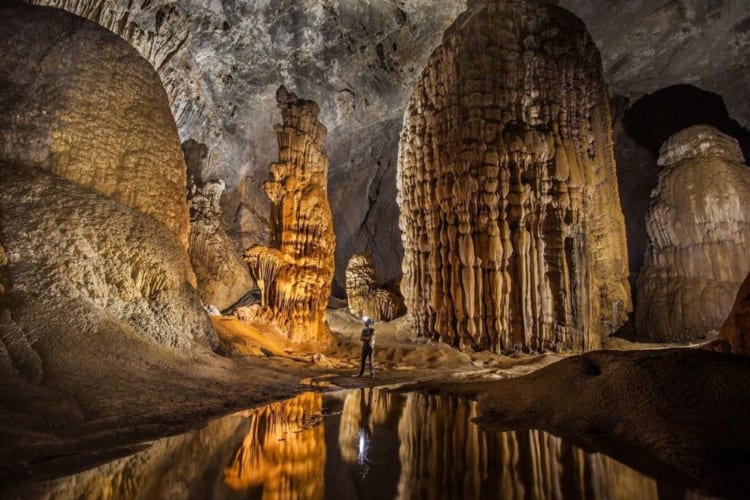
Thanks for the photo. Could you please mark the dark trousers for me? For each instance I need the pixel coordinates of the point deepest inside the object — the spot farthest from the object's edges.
(366, 355)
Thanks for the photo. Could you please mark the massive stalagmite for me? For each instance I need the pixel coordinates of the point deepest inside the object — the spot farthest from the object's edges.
(295, 273)
(363, 295)
(698, 231)
(510, 214)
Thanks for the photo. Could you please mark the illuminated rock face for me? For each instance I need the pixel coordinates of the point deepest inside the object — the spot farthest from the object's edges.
(98, 118)
(698, 229)
(222, 276)
(295, 274)
(93, 217)
(510, 217)
(364, 296)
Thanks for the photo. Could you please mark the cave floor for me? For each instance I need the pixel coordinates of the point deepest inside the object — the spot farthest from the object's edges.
(76, 419)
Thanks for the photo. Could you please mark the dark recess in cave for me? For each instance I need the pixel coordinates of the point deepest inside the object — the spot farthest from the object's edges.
(655, 117)
(647, 124)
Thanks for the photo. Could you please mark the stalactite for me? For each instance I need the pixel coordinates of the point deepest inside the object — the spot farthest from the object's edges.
(510, 217)
(699, 230)
(364, 297)
(296, 272)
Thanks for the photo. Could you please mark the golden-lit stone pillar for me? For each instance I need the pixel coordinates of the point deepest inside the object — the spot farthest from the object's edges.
(510, 214)
(295, 274)
(287, 463)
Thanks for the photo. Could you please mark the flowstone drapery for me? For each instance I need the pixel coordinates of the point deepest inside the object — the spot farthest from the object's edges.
(295, 273)
(364, 296)
(510, 214)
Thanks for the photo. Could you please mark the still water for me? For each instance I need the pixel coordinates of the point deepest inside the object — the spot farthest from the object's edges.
(357, 444)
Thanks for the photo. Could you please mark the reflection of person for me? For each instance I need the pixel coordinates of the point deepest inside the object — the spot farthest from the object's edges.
(368, 346)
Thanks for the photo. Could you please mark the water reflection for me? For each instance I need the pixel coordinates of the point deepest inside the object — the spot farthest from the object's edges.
(356, 444)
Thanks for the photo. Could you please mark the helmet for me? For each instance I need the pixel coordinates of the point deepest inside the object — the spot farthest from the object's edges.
(368, 321)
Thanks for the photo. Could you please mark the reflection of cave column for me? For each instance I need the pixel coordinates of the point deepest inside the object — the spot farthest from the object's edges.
(363, 411)
(505, 151)
(277, 454)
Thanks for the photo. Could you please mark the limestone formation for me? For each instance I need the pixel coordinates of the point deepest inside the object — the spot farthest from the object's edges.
(295, 273)
(93, 218)
(735, 332)
(92, 119)
(698, 235)
(222, 276)
(512, 230)
(365, 298)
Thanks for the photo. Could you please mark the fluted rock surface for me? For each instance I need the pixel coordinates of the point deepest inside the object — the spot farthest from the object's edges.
(223, 277)
(364, 296)
(99, 118)
(295, 273)
(698, 235)
(512, 230)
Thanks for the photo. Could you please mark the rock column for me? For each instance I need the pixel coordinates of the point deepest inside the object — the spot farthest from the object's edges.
(295, 273)
(699, 230)
(510, 214)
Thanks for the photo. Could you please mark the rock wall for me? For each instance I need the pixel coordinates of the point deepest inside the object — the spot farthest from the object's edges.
(512, 231)
(295, 273)
(735, 332)
(92, 119)
(93, 218)
(222, 276)
(364, 296)
(698, 235)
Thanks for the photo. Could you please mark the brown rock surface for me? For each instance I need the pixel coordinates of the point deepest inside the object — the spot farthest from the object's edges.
(735, 332)
(364, 297)
(686, 408)
(222, 276)
(295, 273)
(698, 235)
(99, 118)
(512, 230)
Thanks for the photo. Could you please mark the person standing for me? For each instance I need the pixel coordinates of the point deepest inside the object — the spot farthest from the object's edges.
(368, 346)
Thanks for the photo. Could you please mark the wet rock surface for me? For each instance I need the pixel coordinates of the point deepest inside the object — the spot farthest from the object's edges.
(698, 234)
(512, 230)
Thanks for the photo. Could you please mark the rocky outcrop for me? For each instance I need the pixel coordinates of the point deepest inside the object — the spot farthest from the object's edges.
(222, 276)
(698, 234)
(364, 296)
(735, 332)
(295, 273)
(513, 236)
(93, 218)
(91, 119)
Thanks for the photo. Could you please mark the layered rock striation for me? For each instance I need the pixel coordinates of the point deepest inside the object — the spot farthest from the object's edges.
(735, 332)
(698, 235)
(295, 272)
(512, 230)
(364, 296)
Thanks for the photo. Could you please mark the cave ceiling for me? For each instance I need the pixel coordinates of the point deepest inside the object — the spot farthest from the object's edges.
(222, 61)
